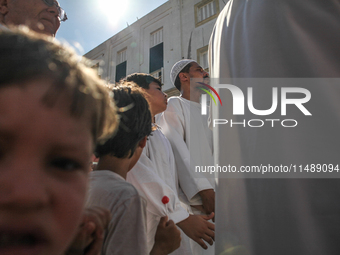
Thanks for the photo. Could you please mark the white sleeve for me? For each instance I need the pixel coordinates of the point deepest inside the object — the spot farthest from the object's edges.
(153, 188)
(173, 126)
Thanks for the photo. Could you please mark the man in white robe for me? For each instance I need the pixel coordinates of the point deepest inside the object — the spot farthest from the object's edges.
(191, 139)
(278, 39)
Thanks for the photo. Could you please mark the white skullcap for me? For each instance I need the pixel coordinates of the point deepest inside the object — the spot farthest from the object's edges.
(178, 67)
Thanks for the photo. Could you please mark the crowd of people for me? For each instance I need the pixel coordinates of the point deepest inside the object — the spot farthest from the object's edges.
(137, 201)
(144, 195)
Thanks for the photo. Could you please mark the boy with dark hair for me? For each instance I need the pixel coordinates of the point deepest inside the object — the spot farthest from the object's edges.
(53, 109)
(143, 80)
(127, 230)
(157, 160)
(133, 127)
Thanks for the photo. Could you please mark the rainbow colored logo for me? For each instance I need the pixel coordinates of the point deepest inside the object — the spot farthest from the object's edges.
(208, 92)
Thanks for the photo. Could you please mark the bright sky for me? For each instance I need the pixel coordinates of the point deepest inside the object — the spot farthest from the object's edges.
(91, 22)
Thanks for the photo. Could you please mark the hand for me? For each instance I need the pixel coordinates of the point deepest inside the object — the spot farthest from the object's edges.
(90, 235)
(199, 207)
(197, 227)
(167, 238)
(208, 200)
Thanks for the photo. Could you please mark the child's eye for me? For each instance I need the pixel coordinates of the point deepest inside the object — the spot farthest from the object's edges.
(65, 164)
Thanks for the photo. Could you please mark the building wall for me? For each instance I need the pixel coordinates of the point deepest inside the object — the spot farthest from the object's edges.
(183, 37)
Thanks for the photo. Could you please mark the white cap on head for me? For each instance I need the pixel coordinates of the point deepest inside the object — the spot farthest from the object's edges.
(178, 67)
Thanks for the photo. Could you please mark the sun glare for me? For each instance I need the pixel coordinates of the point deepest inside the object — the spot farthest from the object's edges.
(114, 9)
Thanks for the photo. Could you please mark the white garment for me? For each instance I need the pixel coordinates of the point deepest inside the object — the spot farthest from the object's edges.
(144, 176)
(191, 141)
(126, 232)
(158, 150)
(278, 39)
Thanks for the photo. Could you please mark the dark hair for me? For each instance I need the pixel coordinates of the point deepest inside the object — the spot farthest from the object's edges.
(135, 122)
(143, 80)
(177, 80)
(26, 55)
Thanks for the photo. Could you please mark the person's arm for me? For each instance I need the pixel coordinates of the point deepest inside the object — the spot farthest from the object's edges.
(198, 228)
(153, 188)
(167, 238)
(90, 235)
(208, 201)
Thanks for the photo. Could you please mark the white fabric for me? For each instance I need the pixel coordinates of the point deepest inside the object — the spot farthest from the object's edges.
(191, 141)
(279, 39)
(126, 232)
(144, 176)
(158, 150)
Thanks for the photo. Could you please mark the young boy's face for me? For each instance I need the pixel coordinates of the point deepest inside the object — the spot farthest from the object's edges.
(44, 162)
(156, 98)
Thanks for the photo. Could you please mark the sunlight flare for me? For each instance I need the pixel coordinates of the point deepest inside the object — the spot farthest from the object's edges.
(114, 9)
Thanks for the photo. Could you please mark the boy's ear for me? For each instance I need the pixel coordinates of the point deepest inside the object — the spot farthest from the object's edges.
(3, 8)
(183, 76)
(142, 142)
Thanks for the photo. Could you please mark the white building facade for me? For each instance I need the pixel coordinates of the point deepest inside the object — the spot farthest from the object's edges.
(177, 29)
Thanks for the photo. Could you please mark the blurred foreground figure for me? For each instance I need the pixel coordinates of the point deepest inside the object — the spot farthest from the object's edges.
(53, 110)
(284, 41)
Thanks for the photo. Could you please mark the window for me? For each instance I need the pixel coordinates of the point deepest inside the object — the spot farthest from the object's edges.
(121, 56)
(206, 11)
(202, 57)
(158, 74)
(121, 65)
(156, 51)
(156, 37)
